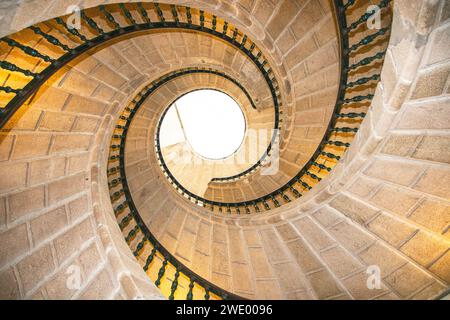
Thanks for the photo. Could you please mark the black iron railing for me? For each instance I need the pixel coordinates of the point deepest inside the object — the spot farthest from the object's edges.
(356, 65)
(132, 224)
(110, 29)
(355, 41)
(343, 125)
(100, 25)
(17, 96)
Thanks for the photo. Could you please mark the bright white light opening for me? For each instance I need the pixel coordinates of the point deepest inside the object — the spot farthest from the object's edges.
(210, 121)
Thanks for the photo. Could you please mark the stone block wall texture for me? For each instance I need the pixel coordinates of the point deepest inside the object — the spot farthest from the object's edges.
(385, 204)
(307, 41)
(55, 215)
(54, 205)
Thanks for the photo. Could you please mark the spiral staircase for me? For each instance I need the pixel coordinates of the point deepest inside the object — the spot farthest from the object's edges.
(352, 172)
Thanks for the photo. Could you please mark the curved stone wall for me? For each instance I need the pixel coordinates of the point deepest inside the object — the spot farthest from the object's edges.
(385, 204)
(53, 197)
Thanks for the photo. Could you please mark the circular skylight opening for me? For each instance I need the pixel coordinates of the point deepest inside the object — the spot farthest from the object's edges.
(210, 121)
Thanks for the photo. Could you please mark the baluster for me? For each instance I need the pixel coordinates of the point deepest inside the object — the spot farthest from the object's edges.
(235, 33)
(144, 13)
(72, 31)
(255, 205)
(207, 294)
(244, 41)
(160, 13)
(366, 61)
(276, 87)
(202, 19)
(174, 286)
(285, 197)
(175, 14)
(110, 17)
(367, 40)
(344, 130)
(225, 28)
(330, 155)
(50, 39)
(120, 208)
(275, 201)
(114, 182)
(262, 66)
(139, 247)
(127, 13)
(363, 81)
(161, 272)
(312, 175)
(351, 115)
(321, 166)
(358, 98)
(116, 195)
(130, 110)
(26, 49)
(189, 16)
(214, 23)
(125, 221)
(115, 157)
(349, 4)
(338, 143)
(150, 258)
(118, 136)
(115, 147)
(295, 192)
(265, 204)
(304, 184)
(12, 67)
(190, 294)
(114, 170)
(8, 89)
(132, 234)
(92, 23)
